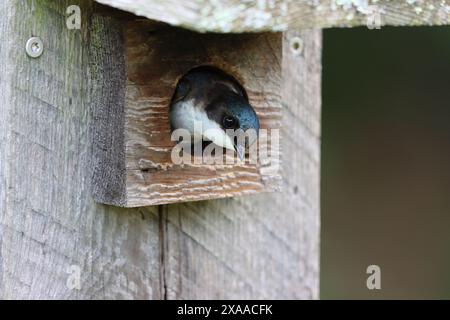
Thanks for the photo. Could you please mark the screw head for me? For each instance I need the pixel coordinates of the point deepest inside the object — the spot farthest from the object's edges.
(296, 45)
(34, 47)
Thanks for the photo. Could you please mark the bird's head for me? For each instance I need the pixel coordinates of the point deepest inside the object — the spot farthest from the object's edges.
(220, 103)
(237, 120)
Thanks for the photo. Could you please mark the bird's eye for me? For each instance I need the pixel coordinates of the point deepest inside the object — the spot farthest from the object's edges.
(229, 122)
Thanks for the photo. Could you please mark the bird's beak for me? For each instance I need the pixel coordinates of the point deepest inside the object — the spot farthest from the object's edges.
(240, 150)
(245, 139)
(220, 138)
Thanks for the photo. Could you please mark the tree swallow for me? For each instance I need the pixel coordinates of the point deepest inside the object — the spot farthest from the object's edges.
(216, 100)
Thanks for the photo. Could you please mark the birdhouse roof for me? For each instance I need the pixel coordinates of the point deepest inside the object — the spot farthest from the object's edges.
(279, 15)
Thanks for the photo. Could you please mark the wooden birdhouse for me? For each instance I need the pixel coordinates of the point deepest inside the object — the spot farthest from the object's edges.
(84, 97)
(146, 60)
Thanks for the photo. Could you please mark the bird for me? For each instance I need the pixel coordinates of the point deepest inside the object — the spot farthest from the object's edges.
(215, 99)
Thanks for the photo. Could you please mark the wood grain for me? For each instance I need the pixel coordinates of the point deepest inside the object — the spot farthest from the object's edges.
(280, 15)
(261, 246)
(108, 78)
(49, 222)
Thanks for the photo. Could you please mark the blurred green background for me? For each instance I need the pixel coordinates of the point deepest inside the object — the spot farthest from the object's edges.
(386, 162)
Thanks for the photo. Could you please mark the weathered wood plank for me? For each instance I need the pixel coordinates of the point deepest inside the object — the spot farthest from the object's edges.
(280, 15)
(263, 246)
(107, 70)
(49, 224)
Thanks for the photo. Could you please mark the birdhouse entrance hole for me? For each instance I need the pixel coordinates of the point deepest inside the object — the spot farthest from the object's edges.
(133, 165)
(198, 98)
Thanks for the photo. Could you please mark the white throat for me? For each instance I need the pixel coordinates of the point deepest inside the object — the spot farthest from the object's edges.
(186, 115)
